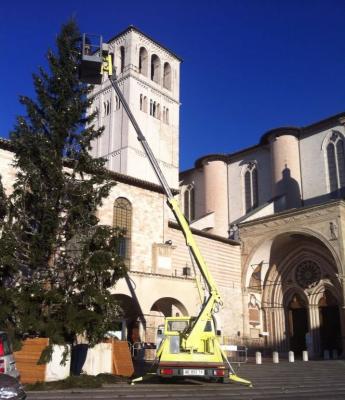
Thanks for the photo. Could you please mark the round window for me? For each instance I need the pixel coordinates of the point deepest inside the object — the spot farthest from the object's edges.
(308, 274)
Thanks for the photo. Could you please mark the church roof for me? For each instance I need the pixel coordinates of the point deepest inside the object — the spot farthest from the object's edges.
(6, 144)
(297, 131)
(133, 28)
(264, 140)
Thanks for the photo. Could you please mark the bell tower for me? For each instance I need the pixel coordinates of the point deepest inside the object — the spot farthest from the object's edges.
(149, 77)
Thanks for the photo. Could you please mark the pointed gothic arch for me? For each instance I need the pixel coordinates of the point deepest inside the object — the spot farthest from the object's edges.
(189, 203)
(250, 184)
(299, 266)
(336, 161)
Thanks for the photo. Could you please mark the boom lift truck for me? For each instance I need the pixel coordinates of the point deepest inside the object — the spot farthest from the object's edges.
(190, 347)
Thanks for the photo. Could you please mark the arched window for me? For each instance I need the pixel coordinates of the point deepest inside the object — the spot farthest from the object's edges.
(251, 187)
(189, 203)
(165, 117)
(158, 111)
(336, 162)
(145, 104)
(154, 109)
(151, 107)
(122, 58)
(167, 76)
(155, 68)
(141, 102)
(123, 220)
(143, 61)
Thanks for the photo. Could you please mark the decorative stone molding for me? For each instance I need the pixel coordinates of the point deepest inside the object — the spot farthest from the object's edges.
(321, 222)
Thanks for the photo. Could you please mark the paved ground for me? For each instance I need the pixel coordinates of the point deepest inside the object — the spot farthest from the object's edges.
(310, 380)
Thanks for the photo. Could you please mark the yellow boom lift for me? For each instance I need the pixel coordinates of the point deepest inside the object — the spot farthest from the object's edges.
(190, 346)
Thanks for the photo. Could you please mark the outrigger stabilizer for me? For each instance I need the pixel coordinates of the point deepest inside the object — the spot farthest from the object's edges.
(190, 347)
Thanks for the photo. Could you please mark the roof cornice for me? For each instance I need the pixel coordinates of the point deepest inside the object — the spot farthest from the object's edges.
(294, 211)
(265, 138)
(6, 144)
(298, 131)
(135, 29)
(175, 225)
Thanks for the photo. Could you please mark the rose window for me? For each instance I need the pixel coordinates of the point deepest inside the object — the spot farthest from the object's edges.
(308, 274)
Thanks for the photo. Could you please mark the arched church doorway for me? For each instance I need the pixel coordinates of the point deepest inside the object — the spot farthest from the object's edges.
(298, 324)
(330, 330)
(301, 294)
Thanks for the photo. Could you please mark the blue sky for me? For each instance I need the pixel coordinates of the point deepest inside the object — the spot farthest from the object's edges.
(249, 66)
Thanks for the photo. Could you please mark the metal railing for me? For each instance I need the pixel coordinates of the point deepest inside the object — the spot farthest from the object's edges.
(235, 354)
(143, 350)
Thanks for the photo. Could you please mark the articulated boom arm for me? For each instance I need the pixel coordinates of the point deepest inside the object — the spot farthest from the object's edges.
(214, 299)
(197, 345)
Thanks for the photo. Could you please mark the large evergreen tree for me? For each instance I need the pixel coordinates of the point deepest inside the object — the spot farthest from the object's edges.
(57, 264)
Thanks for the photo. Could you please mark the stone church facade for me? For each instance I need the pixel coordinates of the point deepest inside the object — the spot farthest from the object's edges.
(283, 200)
(268, 219)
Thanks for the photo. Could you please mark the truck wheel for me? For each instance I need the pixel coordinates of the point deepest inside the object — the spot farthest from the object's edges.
(225, 379)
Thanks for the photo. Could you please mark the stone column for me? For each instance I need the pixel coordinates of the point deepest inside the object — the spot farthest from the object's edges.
(270, 327)
(277, 338)
(280, 329)
(216, 193)
(286, 171)
(266, 325)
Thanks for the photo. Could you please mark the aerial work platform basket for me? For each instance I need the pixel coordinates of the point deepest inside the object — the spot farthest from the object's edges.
(90, 70)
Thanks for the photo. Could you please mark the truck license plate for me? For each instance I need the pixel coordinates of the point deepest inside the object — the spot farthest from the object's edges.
(197, 372)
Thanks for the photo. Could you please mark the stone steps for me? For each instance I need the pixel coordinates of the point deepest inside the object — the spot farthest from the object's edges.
(300, 380)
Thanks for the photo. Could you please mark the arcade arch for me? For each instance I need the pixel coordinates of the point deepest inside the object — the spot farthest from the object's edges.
(131, 318)
(163, 307)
